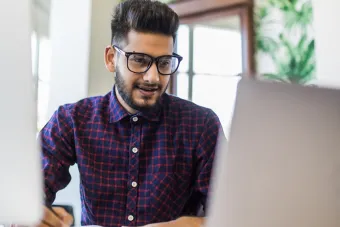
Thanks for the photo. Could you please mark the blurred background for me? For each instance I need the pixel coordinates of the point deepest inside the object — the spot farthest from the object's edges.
(291, 41)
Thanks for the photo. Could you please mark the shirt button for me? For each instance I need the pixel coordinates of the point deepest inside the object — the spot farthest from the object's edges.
(134, 184)
(135, 150)
(130, 218)
(135, 119)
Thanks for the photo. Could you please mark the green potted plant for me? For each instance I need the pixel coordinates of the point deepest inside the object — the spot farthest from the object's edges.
(293, 56)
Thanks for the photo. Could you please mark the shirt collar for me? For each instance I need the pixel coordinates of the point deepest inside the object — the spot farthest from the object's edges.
(117, 112)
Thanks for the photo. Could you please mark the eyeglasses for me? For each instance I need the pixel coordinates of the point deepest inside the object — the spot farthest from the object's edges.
(141, 63)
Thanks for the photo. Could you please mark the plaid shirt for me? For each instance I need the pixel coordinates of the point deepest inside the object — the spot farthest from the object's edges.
(134, 169)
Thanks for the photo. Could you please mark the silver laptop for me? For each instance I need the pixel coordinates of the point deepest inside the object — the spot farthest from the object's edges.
(20, 164)
(281, 167)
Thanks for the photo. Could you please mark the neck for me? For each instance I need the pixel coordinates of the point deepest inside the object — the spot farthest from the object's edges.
(124, 104)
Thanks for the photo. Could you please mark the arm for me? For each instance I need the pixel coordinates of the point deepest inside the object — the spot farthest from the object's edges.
(58, 153)
(205, 153)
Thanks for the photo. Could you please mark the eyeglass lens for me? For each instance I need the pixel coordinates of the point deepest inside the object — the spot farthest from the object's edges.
(140, 63)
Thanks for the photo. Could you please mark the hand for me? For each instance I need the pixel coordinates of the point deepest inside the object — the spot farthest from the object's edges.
(180, 222)
(58, 218)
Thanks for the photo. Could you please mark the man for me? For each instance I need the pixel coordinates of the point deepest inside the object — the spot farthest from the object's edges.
(144, 157)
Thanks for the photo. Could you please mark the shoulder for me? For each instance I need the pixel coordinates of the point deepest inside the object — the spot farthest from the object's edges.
(86, 108)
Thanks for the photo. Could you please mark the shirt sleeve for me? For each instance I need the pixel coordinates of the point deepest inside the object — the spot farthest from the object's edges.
(58, 152)
(211, 136)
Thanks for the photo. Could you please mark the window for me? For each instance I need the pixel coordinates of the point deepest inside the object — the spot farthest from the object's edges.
(217, 39)
(34, 48)
(41, 57)
(212, 60)
(43, 80)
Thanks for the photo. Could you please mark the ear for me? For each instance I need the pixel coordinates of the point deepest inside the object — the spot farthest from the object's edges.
(109, 58)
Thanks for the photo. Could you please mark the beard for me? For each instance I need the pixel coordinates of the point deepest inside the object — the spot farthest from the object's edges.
(127, 94)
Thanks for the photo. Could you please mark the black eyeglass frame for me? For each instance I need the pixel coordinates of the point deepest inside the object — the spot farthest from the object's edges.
(153, 59)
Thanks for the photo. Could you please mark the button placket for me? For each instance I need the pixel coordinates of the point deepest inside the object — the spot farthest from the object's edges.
(132, 196)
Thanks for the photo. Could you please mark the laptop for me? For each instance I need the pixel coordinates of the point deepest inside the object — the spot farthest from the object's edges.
(21, 191)
(281, 165)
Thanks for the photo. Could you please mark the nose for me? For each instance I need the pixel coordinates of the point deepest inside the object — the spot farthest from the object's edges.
(152, 75)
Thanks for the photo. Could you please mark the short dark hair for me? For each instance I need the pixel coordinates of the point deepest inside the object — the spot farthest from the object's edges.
(143, 16)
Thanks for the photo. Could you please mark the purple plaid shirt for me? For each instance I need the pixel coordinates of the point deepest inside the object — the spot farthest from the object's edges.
(134, 169)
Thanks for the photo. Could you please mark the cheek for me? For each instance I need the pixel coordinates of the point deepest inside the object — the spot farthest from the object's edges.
(164, 80)
(128, 77)
(130, 80)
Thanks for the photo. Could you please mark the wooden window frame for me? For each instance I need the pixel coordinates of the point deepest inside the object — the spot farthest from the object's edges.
(191, 11)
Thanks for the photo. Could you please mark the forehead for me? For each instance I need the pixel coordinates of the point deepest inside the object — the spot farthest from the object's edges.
(149, 43)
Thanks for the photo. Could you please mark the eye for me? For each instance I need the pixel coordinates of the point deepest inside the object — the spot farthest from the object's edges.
(165, 62)
(139, 59)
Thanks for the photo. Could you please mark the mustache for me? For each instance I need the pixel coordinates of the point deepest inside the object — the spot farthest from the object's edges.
(148, 86)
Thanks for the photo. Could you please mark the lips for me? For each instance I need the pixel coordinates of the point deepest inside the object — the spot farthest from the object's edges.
(147, 91)
(148, 88)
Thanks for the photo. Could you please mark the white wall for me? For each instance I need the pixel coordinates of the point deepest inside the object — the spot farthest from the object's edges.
(100, 80)
(40, 16)
(70, 42)
(327, 41)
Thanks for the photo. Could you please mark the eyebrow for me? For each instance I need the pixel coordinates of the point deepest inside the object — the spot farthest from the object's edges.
(137, 52)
